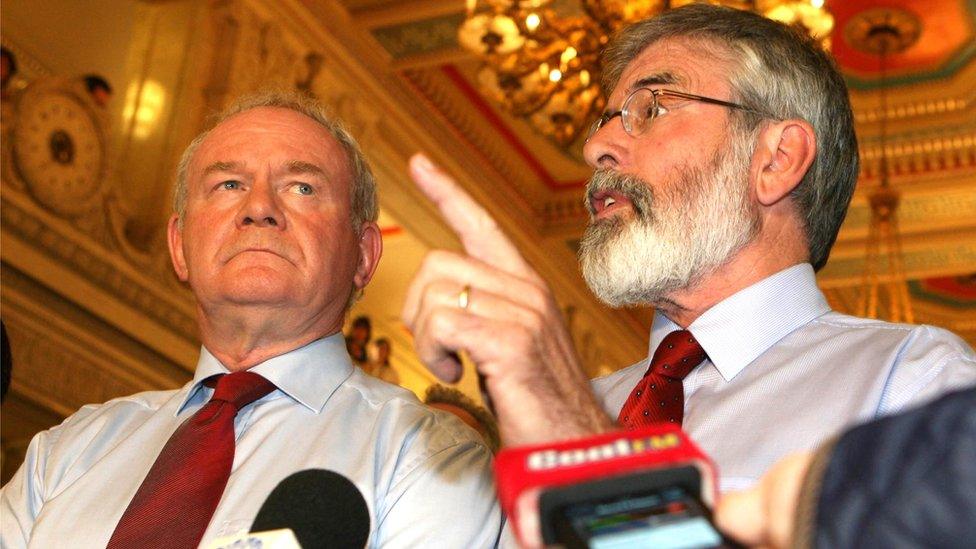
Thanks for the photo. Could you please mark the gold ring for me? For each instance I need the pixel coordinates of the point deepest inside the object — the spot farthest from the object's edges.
(464, 298)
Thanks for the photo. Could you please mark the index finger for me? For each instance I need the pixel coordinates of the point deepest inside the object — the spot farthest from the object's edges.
(477, 229)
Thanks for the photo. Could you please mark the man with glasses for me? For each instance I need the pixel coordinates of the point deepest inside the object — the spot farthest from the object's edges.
(724, 166)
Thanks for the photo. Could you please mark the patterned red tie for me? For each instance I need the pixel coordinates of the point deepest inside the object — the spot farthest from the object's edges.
(659, 395)
(174, 505)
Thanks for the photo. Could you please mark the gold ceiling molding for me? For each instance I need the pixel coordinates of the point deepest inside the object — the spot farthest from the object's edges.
(912, 109)
(953, 254)
(150, 290)
(947, 152)
(63, 389)
(922, 210)
(403, 12)
(943, 142)
(560, 212)
(469, 126)
(929, 218)
(88, 369)
(27, 226)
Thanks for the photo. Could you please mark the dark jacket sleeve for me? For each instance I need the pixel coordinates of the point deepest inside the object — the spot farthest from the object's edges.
(903, 481)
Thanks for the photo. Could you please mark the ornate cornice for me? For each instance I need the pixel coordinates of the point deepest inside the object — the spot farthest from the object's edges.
(469, 127)
(63, 366)
(99, 265)
(946, 149)
(923, 108)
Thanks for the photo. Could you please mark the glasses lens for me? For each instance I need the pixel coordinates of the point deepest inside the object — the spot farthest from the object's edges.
(638, 111)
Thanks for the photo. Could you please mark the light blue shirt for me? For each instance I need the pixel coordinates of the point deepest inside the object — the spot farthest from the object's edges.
(784, 372)
(425, 476)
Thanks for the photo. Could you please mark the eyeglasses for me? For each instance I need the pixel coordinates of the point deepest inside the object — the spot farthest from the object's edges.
(642, 106)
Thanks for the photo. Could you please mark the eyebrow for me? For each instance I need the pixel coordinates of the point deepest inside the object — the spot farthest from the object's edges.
(294, 167)
(664, 77)
(656, 79)
(297, 167)
(221, 166)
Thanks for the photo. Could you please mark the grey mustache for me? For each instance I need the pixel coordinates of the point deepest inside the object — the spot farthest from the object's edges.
(632, 187)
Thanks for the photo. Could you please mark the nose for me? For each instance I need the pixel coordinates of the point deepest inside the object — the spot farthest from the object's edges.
(261, 207)
(605, 148)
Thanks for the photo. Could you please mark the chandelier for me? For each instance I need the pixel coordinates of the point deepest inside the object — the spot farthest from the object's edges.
(882, 32)
(541, 58)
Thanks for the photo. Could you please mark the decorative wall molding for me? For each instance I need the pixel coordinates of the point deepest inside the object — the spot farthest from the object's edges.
(920, 109)
(63, 367)
(942, 152)
(150, 292)
(470, 128)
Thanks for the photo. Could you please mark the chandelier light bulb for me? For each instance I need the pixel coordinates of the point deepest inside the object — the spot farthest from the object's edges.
(568, 54)
(555, 75)
(532, 21)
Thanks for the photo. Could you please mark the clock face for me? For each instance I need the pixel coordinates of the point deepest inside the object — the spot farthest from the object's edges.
(58, 150)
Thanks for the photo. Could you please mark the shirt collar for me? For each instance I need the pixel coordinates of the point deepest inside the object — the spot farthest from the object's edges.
(309, 375)
(738, 329)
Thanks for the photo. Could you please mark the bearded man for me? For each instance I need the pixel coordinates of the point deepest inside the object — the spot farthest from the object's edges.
(725, 163)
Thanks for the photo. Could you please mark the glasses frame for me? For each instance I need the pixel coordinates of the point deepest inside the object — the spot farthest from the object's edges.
(624, 112)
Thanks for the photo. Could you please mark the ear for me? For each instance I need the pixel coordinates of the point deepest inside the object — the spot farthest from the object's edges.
(370, 250)
(174, 237)
(783, 155)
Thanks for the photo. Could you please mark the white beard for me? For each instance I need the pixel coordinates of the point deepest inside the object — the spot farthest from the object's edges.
(669, 245)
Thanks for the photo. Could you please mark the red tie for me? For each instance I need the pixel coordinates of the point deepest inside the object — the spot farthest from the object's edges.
(174, 505)
(659, 395)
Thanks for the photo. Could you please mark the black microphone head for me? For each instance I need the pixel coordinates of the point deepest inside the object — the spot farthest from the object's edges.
(322, 508)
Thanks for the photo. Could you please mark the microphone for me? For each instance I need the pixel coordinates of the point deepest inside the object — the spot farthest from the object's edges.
(310, 509)
(322, 508)
(630, 488)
